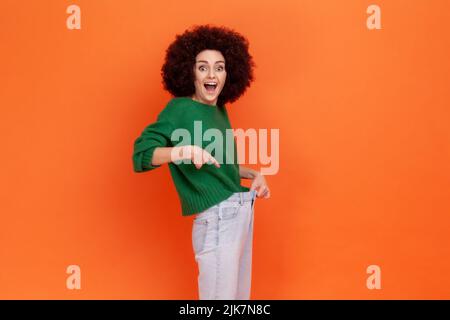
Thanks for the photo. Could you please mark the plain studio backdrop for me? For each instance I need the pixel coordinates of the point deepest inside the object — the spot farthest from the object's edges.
(364, 176)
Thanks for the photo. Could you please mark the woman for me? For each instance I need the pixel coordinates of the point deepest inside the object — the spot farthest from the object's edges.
(205, 68)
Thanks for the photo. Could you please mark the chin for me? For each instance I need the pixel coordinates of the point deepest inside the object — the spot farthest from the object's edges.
(210, 98)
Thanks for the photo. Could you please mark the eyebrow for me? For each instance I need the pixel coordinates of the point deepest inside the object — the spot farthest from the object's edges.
(207, 61)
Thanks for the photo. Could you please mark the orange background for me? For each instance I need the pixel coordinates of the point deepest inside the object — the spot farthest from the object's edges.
(364, 148)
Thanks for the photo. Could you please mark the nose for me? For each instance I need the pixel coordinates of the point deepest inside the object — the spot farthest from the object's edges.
(211, 74)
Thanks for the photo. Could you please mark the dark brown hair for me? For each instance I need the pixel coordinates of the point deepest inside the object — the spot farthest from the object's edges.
(177, 71)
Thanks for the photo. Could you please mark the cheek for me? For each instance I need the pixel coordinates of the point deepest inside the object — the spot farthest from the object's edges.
(198, 83)
(197, 77)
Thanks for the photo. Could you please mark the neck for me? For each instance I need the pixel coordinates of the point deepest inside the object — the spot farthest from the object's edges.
(194, 97)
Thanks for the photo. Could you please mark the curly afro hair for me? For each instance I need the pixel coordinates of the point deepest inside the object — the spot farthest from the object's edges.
(177, 71)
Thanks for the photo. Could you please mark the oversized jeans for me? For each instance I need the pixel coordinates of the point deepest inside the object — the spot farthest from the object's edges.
(222, 238)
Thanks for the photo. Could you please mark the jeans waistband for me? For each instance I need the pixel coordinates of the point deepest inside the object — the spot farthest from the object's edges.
(242, 196)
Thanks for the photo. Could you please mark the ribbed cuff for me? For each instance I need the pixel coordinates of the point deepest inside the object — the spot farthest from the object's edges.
(147, 157)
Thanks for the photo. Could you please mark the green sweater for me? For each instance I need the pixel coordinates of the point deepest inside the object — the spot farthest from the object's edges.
(198, 189)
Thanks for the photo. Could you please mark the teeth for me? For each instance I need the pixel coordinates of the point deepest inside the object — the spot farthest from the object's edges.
(211, 83)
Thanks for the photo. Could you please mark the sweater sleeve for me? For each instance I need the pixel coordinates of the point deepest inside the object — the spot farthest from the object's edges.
(155, 135)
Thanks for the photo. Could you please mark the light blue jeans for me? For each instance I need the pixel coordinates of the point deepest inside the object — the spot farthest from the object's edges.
(222, 238)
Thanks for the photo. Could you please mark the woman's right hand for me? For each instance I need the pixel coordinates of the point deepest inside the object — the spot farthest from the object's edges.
(196, 154)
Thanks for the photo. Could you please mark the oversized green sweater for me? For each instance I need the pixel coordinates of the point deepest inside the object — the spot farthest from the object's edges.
(198, 189)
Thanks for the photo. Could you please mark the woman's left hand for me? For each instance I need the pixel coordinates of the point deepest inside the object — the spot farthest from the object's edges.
(260, 185)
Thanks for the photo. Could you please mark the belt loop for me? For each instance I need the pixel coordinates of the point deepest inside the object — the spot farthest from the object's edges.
(241, 198)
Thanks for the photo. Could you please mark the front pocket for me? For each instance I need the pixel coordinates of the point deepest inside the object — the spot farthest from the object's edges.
(199, 233)
(230, 212)
(204, 216)
(200, 220)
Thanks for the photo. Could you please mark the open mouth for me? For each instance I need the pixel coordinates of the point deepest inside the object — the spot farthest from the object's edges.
(210, 87)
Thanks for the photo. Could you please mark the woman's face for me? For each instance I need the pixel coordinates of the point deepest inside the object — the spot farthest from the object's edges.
(209, 68)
